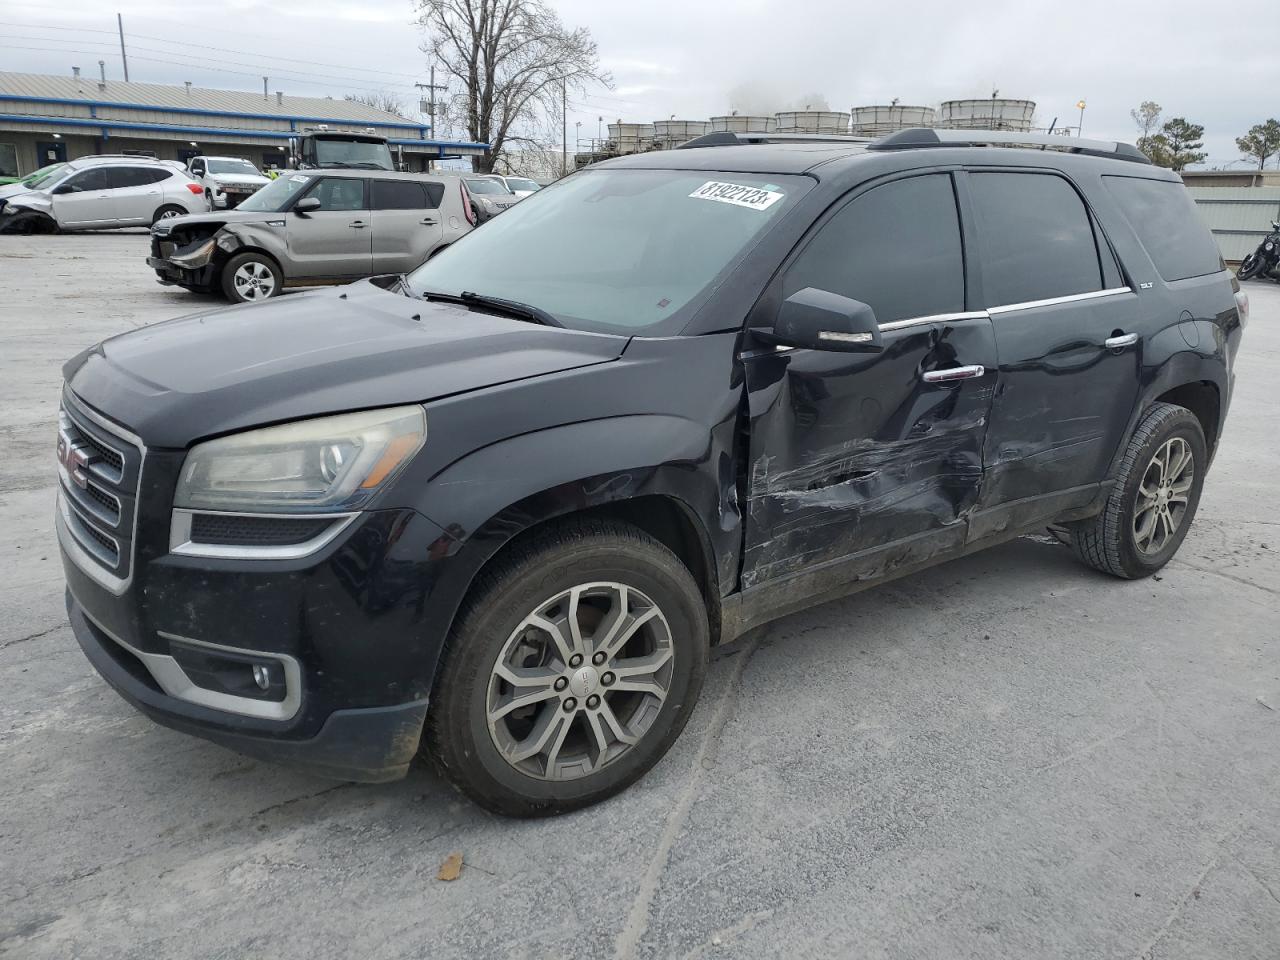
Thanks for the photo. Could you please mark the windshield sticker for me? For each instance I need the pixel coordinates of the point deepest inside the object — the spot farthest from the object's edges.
(298, 178)
(753, 198)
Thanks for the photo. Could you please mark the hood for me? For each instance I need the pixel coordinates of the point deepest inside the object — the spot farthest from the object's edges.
(28, 199)
(13, 189)
(215, 218)
(238, 179)
(310, 354)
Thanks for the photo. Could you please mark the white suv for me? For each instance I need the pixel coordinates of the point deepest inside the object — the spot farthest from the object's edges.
(95, 193)
(226, 180)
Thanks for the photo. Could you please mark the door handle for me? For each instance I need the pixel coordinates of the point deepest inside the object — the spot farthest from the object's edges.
(953, 373)
(356, 225)
(1121, 341)
(429, 221)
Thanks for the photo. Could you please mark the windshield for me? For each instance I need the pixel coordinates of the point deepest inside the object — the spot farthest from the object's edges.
(352, 153)
(243, 167)
(276, 195)
(487, 186)
(43, 175)
(520, 183)
(616, 251)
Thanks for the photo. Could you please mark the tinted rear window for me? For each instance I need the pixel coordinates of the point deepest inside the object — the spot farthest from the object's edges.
(1164, 217)
(1037, 239)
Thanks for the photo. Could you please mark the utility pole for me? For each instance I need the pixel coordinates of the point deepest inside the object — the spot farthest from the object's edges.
(431, 89)
(123, 59)
(564, 116)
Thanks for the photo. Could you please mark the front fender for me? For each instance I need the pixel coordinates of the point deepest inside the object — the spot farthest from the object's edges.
(488, 497)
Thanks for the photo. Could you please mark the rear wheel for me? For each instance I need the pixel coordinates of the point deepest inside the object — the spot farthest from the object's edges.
(571, 668)
(1153, 501)
(168, 212)
(250, 277)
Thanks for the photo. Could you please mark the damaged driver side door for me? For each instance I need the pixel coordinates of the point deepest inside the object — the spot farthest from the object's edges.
(861, 463)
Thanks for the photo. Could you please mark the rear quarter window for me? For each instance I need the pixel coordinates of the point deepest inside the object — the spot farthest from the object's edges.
(1164, 217)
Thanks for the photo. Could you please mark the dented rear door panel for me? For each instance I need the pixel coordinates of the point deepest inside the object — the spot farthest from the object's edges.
(852, 452)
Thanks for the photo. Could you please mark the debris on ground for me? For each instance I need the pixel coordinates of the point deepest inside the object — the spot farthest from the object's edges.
(451, 868)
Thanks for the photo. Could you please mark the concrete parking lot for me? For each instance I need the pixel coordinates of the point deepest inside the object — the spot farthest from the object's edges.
(1009, 756)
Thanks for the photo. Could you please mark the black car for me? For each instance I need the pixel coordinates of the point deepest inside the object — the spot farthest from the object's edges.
(501, 508)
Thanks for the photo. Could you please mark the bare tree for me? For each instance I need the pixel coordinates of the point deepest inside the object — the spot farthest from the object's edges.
(1262, 140)
(1147, 119)
(381, 100)
(514, 61)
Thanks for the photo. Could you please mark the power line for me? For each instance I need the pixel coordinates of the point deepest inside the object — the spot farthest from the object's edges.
(267, 64)
(319, 80)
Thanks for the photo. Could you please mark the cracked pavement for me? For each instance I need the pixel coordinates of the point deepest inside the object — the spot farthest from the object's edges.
(1008, 756)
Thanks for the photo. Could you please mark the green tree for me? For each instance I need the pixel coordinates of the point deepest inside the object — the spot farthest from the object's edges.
(1262, 140)
(1178, 144)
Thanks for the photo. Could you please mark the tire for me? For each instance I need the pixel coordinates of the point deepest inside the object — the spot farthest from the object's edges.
(250, 278)
(166, 212)
(1113, 541)
(593, 758)
(1250, 267)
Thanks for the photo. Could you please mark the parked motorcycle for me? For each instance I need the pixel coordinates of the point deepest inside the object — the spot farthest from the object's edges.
(1264, 260)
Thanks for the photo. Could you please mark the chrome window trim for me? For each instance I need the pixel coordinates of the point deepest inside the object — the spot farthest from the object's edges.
(1053, 301)
(180, 543)
(173, 680)
(932, 318)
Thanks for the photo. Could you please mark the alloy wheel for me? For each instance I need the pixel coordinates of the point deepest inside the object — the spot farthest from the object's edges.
(580, 681)
(254, 281)
(1163, 496)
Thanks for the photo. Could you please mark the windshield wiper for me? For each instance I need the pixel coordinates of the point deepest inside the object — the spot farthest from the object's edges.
(512, 308)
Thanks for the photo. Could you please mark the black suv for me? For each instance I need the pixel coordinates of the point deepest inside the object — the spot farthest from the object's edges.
(501, 508)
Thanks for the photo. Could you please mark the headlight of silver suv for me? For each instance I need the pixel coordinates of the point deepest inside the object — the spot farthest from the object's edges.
(321, 465)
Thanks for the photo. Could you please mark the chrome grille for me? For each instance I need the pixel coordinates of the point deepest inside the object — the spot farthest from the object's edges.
(99, 471)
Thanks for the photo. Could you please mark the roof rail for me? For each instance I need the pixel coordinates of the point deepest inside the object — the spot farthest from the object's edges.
(727, 138)
(916, 137)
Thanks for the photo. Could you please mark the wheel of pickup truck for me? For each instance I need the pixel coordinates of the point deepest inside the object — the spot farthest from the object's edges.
(571, 668)
(250, 277)
(1154, 499)
(168, 212)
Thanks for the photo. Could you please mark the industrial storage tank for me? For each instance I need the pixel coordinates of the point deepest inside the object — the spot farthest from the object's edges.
(813, 121)
(672, 133)
(990, 114)
(742, 124)
(882, 119)
(631, 137)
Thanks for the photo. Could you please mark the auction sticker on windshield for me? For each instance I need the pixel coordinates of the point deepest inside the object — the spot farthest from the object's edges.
(737, 194)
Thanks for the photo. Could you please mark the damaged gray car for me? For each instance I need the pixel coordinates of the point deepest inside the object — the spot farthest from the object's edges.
(312, 228)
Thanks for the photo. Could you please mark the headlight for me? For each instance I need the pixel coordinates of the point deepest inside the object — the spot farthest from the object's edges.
(327, 464)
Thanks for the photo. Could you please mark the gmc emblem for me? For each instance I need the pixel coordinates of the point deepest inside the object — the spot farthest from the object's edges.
(74, 459)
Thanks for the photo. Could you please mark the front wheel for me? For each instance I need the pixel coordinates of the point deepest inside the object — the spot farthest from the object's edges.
(1154, 500)
(250, 277)
(1250, 267)
(571, 668)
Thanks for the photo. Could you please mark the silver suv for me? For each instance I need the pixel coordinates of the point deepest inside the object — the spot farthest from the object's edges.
(96, 193)
(312, 227)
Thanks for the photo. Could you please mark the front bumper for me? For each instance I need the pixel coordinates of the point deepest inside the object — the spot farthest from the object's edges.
(170, 273)
(369, 745)
(349, 626)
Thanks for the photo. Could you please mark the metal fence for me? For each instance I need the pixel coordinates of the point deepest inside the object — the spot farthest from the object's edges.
(1238, 216)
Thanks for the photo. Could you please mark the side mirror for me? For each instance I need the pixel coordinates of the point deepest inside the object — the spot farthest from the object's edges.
(814, 319)
(66, 188)
(306, 205)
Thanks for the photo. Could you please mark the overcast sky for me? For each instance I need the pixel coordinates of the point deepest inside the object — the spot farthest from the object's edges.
(696, 59)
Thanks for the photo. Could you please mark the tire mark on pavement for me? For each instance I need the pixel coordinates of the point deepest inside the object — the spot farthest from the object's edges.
(638, 919)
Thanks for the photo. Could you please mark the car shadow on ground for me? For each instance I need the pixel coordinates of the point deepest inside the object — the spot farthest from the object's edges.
(1028, 566)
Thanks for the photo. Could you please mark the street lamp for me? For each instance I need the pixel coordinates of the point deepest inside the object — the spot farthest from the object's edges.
(1080, 128)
